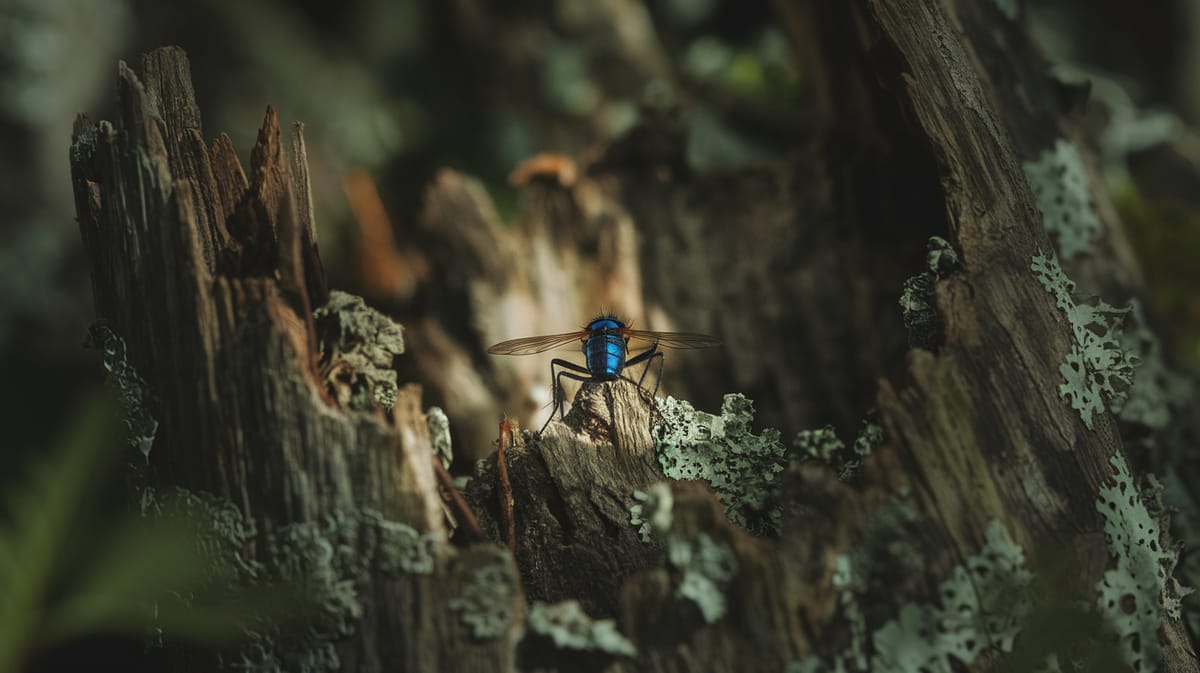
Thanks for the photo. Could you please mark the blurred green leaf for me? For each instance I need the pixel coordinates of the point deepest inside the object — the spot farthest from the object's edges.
(216, 618)
(745, 74)
(1063, 623)
(138, 573)
(1165, 232)
(138, 563)
(40, 513)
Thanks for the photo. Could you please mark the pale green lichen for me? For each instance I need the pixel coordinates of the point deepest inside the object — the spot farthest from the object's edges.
(1059, 182)
(918, 300)
(870, 436)
(1098, 372)
(358, 347)
(223, 537)
(439, 435)
(940, 257)
(268, 654)
(133, 393)
(635, 516)
(325, 561)
(571, 628)
(222, 534)
(652, 512)
(486, 603)
(328, 560)
(226, 538)
(884, 536)
(1156, 390)
(919, 311)
(707, 566)
(83, 146)
(1185, 518)
(398, 548)
(740, 466)
(1134, 595)
(322, 561)
(823, 445)
(848, 584)
(981, 607)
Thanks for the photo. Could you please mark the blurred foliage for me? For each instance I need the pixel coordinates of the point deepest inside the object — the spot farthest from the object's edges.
(1063, 626)
(44, 297)
(1165, 232)
(69, 569)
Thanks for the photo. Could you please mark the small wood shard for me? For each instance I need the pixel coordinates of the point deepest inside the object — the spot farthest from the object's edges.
(230, 177)
(387, 273)
(508, 429)
(555, 168)
(313, 269)
(453, 498)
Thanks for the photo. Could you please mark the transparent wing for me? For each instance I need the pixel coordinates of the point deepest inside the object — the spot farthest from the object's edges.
(535, 344)
(675, 339)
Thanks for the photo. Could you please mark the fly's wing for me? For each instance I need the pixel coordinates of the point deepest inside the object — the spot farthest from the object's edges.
(674, 339)
(535, 344)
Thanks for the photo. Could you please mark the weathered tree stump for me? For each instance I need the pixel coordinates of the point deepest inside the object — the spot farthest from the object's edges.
(286, 420)
(277, 400)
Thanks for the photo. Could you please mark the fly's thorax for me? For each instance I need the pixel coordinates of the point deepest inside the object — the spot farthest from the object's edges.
(605, 324)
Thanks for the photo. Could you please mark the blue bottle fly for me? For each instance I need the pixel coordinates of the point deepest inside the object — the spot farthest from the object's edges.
(605, 344)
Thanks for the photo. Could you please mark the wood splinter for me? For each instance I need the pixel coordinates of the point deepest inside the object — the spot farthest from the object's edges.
(454, 499)
(508, 426)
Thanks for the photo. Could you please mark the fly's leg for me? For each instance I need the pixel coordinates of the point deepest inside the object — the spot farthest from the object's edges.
(648, 356)
(570, 370)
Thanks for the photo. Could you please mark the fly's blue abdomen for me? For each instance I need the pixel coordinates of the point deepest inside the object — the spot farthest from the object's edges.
(605, 355)
(605, 348)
